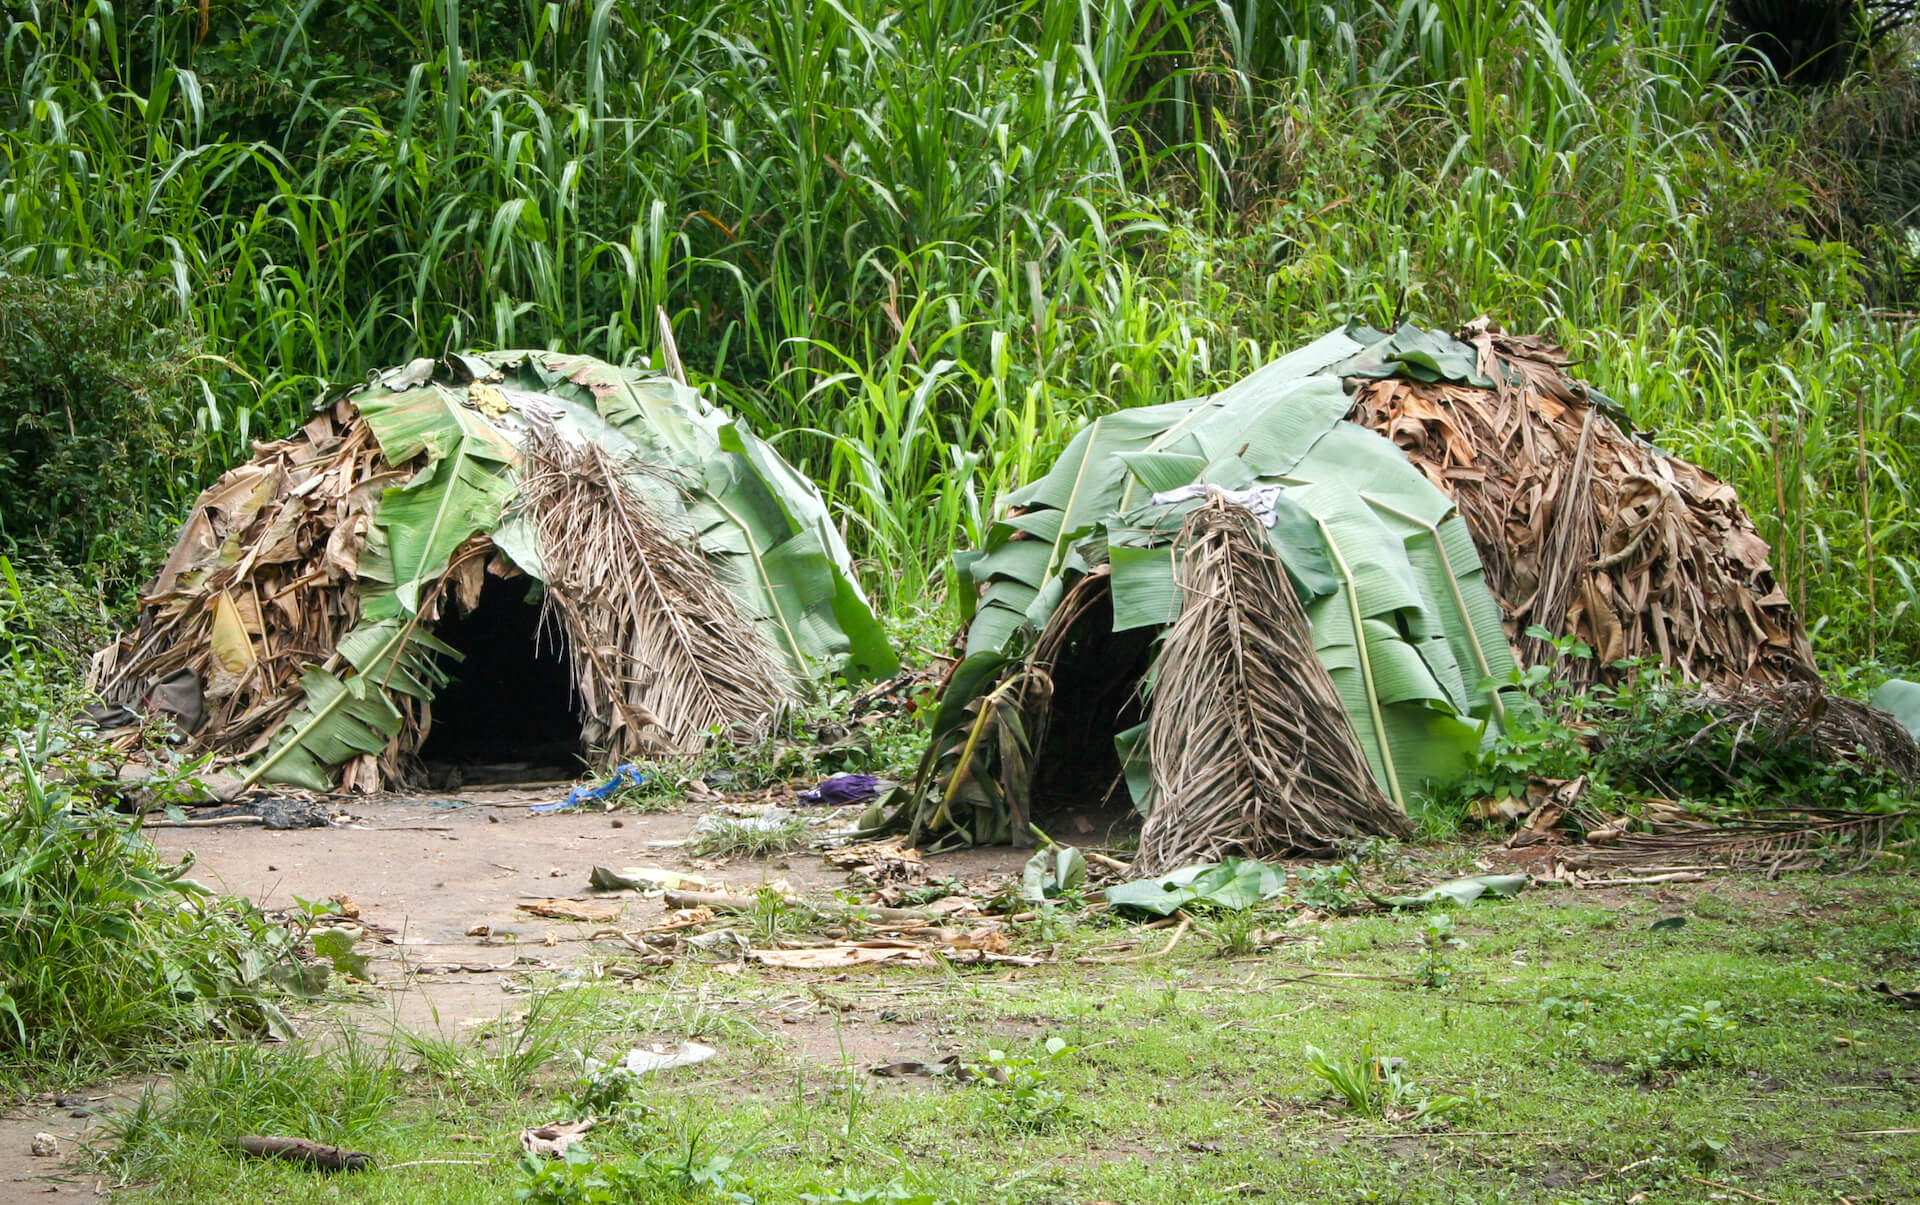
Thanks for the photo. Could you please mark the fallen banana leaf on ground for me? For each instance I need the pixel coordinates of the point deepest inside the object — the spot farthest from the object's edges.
(553, 1140)
(1234, 883)
(556, 909)
(1903, 999)
(948, 1068)
(640, 878)
(1460, 892)
(1052, 872)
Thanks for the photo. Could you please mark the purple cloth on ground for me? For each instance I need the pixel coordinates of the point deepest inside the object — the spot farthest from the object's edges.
(842, 788)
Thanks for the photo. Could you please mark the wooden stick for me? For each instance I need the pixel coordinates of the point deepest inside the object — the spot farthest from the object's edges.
(300, 1150)
(1178, 933)
(723, 902)
(213, 822)
(1621, 1171)
(1677, 877)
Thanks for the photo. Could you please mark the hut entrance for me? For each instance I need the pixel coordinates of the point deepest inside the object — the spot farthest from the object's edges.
(1079, 793)
(508, 715)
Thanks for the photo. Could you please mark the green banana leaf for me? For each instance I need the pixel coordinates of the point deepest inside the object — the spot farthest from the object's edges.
(345, 717)
(1900, 699)
(1383, 564)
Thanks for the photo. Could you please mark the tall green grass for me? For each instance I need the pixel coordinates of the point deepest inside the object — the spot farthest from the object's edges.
(923, 242)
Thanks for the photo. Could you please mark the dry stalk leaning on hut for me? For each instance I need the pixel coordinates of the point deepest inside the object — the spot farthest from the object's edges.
(1589, 531)
(1251, 748)
(659, 648)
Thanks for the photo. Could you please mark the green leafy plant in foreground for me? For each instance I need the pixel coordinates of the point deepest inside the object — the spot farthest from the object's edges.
(578, 1178)
(1017, 1089)
(1693, 1035)
(1373, 1085)
(107, 952)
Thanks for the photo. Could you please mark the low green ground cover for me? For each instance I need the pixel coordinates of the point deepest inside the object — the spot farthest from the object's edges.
(1574, 1051)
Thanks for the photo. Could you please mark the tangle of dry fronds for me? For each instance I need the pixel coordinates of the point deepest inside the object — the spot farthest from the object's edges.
(659, 647)
(1252, 750)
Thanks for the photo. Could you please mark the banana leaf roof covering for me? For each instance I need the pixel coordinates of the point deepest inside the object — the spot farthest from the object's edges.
(694, 577)
(1503, 495)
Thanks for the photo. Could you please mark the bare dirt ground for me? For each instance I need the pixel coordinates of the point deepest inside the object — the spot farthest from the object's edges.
(425, 871)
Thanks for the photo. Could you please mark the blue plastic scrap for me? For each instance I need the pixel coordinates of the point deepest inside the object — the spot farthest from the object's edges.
(627, 775)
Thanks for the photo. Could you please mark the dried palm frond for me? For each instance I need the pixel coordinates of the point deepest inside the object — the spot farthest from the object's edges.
(1251, 749)
(659, 647)
(1765, 718)
(1587, 530)
(1774, 841)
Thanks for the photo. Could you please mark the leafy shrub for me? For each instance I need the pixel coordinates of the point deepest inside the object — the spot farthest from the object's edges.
(578, 1178)
(1375, 1086)
(106, 950)
(1017, 1088)
(1694, 1035)
(50, 623)
(96, 440)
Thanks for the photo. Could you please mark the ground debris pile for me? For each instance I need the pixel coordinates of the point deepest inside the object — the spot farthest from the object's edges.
(1586, 529)
(260, 583)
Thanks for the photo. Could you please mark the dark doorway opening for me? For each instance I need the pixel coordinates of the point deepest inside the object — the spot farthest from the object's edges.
(508, 715)
(1079, 793)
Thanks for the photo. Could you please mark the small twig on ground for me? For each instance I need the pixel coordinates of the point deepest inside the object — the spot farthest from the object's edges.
(437, 1163)
(1179, 932)
(1621, 1171)
(213, 822)
(1730, 1188)
(1646, 880)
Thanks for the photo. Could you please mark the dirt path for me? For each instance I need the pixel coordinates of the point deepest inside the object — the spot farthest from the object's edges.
(428, 870)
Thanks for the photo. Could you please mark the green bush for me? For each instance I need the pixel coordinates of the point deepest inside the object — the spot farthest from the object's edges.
(97, 444)
(108, 952)
(50, 624)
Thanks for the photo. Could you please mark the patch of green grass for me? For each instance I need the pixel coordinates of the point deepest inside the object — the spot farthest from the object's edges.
(747, 837)
(1177, 1079)
(109, 955)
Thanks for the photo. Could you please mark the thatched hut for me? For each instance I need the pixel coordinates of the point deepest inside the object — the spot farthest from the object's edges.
(1269, 617)
(510, 555)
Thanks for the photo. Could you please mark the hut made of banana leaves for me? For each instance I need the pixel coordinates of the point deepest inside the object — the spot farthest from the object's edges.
(485, 552)
(1274, 618)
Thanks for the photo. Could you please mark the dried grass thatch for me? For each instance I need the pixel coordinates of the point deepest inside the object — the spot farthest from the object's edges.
(1252, 751)
(1587, 530)
(1748, 728)
(659, 649)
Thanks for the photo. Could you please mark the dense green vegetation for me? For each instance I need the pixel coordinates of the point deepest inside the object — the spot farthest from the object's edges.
(924, 241)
